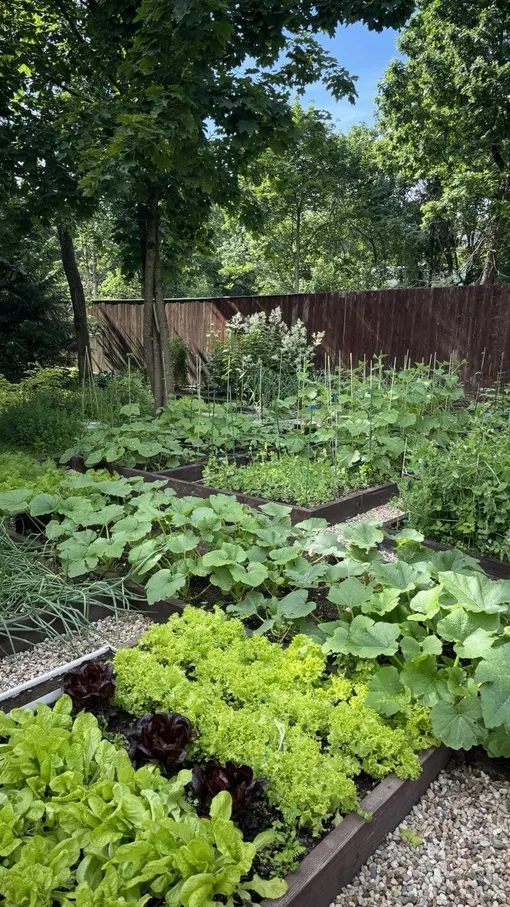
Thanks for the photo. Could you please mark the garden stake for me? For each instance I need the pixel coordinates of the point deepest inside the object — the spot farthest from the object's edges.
(370, 391)
(312, 407)
(212, 419)
(229, 388)
(335, 399)
(260, 388)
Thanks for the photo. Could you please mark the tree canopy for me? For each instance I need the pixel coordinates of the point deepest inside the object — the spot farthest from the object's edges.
(445, 114)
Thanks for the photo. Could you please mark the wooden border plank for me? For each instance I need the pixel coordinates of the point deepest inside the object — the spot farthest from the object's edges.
(331, 865)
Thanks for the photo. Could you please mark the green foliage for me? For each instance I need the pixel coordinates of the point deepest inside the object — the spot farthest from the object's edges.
(97, 523)
(34, 322)
(291, 478)
(19, 470)
(252, 701)
(43, 425)
(33, 594)
(80, 826)
(437, 628)
(185, 430)
(454, 68)
(179, 353)
(48, 409)
(459, 493)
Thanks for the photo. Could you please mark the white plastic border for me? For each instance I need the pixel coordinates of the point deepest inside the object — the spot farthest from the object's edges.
(42, 678)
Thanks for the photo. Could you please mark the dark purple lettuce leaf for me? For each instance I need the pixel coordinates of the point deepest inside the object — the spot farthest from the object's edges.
(90, 686)
(211, 778)
(162, 739)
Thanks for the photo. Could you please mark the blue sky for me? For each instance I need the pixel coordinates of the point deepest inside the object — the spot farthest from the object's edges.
(363, 53)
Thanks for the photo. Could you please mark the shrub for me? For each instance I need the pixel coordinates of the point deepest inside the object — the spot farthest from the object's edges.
(44, 424)
(254, 703)
(179, 353)
(35, 322)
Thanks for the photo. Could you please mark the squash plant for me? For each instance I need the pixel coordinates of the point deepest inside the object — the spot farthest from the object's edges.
(438, 631)
(169, 540)
(185, 430)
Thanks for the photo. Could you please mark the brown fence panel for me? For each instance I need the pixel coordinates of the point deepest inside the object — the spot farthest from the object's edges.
(469, 323)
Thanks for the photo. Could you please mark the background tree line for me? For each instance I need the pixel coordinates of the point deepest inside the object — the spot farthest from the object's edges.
(141, 155)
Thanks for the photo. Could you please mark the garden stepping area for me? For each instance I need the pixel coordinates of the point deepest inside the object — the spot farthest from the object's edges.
(450, 851)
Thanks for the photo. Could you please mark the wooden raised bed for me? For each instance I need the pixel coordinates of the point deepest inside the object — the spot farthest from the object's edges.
(338, 511)
(331, 865)
(493, 567)
(338, 857)
(185, 481)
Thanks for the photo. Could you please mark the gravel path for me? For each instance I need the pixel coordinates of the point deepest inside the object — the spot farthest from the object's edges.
(381, 514)
(462, 861)
(52, 653)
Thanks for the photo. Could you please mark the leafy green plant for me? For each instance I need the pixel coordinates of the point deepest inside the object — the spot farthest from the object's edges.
(459, 494)
(168, 541)
(308, 733)
(185, 430)
(80, 826)
(291, 478)
(20, 470)
(436, 627)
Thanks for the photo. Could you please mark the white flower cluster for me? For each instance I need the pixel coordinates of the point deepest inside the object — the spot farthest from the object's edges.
(266, 337)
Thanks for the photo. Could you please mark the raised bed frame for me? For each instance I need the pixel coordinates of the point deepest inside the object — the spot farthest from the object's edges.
(337, 858)
(186, 481)
(338, 511)
(493, 567)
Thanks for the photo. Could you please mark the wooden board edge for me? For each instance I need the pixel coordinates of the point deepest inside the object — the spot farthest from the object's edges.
(331, 865)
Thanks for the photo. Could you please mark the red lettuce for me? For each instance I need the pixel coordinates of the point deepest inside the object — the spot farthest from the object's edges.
(162, 739)
(91, 685)
(211, 778)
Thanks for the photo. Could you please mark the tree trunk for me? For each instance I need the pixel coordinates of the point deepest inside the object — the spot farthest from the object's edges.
(77, 299)
(297, 252)
(155, 327)
(495, 239)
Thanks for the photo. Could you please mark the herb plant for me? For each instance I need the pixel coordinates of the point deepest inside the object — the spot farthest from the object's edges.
(291, 478)
(33, 595)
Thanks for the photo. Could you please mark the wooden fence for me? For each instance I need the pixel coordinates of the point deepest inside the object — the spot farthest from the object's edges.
(469, 323)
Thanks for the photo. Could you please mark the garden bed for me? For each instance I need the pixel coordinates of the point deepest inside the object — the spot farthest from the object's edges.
(40, 626)
(337, 511)
(493, 567)
(332, 863)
